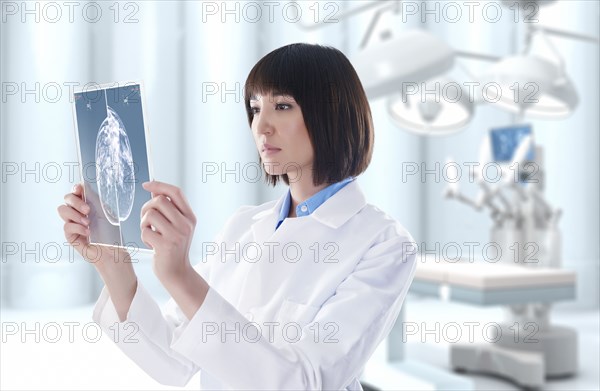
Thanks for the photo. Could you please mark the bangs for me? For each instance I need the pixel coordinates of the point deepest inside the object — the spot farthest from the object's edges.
(273, 74)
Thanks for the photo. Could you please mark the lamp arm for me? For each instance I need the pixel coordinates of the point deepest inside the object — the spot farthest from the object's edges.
(371, 27)
(545, 31)
(566, 34)
(549, 43)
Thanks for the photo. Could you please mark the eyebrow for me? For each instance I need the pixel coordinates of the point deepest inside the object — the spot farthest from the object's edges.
(255, 97)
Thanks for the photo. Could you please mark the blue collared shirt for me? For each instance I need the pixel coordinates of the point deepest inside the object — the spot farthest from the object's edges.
(310, 205)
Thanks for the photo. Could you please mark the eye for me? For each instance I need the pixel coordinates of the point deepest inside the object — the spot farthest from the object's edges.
(253, 110)
(284, 105)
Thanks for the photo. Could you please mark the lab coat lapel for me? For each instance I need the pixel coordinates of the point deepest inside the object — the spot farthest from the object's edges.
(264, 227)
(341, 206)
(334, 212)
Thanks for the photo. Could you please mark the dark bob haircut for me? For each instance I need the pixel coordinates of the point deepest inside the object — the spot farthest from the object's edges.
(334, 106)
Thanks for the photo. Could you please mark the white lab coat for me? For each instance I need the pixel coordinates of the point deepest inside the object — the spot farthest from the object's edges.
(333, 282)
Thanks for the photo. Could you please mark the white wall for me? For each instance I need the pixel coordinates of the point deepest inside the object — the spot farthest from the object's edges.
(38, 141)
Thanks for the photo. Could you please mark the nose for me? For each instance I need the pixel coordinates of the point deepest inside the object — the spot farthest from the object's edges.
(263, 123)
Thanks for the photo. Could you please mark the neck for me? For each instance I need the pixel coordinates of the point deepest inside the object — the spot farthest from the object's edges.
(301, 190)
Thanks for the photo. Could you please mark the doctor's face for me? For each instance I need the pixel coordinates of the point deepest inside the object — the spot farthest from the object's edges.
(281, 136)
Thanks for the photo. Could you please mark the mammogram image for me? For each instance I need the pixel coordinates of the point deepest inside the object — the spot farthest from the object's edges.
(114, 169)
(114, 159)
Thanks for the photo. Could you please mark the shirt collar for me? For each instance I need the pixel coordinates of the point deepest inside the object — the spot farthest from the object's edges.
(334, 212)
(311, 204)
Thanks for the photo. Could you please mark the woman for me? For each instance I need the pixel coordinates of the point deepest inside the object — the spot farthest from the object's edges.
(295, 293)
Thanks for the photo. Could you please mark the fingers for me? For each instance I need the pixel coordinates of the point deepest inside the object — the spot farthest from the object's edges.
(155, 219)
(74, 200)
(68, 214)
(74, 228)
(174, 193)
(78, 189)
(150, 237)
(76, 234)
(166, 208)
(76, 231)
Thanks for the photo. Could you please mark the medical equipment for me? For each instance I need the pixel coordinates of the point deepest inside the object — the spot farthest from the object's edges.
(525, 231)
(527, 353)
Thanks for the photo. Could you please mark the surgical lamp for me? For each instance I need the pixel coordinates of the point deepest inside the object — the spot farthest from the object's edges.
(413, 57)
(534, 86)
(429, 113)
(529, 85)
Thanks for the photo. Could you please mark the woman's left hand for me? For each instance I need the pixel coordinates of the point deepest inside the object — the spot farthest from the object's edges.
(174, 222)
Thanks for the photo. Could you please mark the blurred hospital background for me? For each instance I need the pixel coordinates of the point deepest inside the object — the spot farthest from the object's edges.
(486, 150)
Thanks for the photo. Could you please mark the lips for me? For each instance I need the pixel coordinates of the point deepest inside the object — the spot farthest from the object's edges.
(269, 148)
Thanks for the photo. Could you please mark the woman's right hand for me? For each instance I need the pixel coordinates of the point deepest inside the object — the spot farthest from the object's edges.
(74, 214)
(112, 263)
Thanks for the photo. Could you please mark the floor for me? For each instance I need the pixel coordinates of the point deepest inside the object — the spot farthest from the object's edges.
(428, 311)
(78, 360)
(59, 350)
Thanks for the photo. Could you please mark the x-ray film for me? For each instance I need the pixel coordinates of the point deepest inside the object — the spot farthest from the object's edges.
(114, 161)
